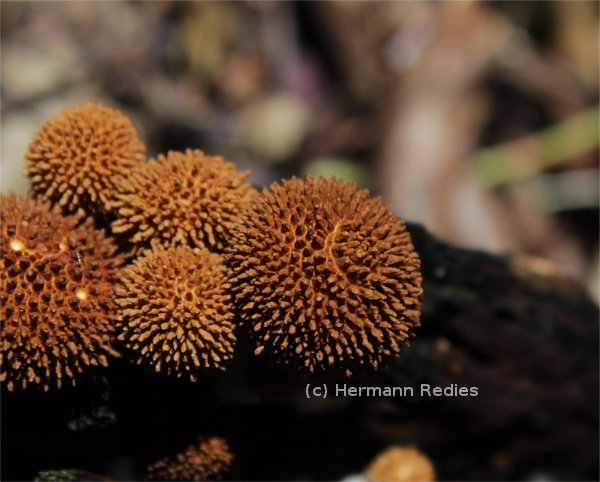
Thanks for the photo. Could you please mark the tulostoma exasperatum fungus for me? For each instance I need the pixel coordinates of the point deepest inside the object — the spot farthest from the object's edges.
(324, 276)
(183, 198)
(208, 459)
(175, 311)
(57, 282)
(77, 156)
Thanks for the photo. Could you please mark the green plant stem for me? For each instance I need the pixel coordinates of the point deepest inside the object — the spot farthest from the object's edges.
(534, 153)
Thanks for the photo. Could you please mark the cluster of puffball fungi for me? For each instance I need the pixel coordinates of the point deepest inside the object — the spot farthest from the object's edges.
(165, 262)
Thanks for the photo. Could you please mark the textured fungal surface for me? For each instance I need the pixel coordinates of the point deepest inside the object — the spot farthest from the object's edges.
(175, 311)
(209, 459)
(57, 281)
(324, 275)
(183, 198)
(401, 464)
(77, 156)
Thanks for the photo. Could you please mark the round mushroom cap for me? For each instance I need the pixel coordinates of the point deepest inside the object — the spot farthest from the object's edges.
(398, 464)
(175, 311)
(183, 198)
(208, 459)
(57, 281)
(78, 155)
(324, 276)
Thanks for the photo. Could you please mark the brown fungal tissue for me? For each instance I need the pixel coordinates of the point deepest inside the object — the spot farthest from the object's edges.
(57, 284)
(324, 275)
(77, 155)
(175, 311)
(209, 459)
(401, 464)
(183, 198)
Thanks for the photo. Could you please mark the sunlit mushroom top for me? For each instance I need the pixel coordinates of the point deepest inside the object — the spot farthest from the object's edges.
(399, 464)
(77, 156)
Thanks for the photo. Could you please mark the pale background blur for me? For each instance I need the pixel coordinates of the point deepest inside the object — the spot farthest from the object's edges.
(478, 120)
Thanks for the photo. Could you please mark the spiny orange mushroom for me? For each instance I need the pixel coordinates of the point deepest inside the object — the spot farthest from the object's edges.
(397, 464)
(209, 459)
(77, 156)
(324, 275)
(183, 198)
(175, 311)
(56, 284)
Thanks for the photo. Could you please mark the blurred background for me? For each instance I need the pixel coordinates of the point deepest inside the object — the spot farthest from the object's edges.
(478, 120)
